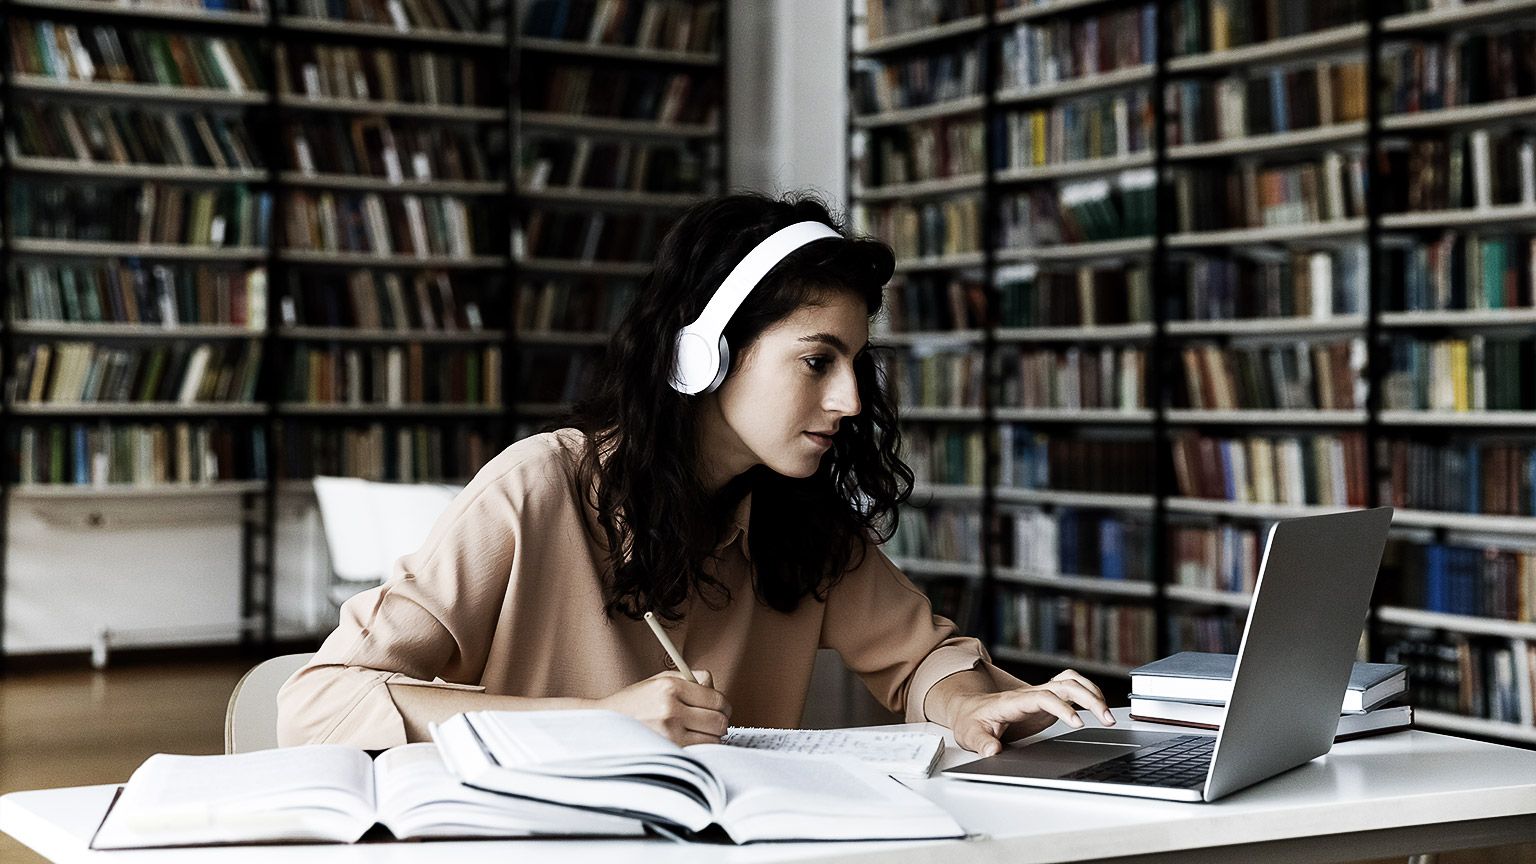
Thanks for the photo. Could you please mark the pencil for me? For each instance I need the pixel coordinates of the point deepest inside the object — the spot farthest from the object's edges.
(666, 642)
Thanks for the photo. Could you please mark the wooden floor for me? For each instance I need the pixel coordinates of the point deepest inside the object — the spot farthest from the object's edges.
(73, 727)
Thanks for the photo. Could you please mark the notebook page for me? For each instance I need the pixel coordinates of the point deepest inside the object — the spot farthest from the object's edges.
(895, 752)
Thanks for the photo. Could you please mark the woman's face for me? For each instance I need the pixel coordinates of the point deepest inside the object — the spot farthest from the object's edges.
(785, 399)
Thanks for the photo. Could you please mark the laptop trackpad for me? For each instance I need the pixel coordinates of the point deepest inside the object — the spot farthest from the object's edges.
(1063, 754)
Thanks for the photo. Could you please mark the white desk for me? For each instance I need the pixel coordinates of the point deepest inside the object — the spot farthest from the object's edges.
(1392, 795)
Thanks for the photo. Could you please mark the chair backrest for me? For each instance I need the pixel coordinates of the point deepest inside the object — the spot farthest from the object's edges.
(369, 524)
(250, 721)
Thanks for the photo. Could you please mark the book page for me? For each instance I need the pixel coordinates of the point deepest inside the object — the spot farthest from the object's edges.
(530, 739)
(892, 751)
(317, 792)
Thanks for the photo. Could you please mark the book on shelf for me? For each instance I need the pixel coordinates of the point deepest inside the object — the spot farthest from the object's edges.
(582, 162)
(1259, 282)
(1107, 377)
(1068, 628)
(1274, 101)
(103, 454)
(404, 453)
(1221, 558)
(1218, 631)
(1482, 677)
(159, 213)
(924, 229)
(1490, 477)
(939, 533)
(69, 52)
(1457, 270)
(409, 224)
(392, 149)
(621, 93)
(1475, 169)
(888, 18)
(111, 134)
(924, 151)
(881, 86)
(400, 15)
(557, 375)
(1431, 72)
(1318, 469)
(1028, 459)
(1481, 581)
(1479, 373)
(610, 762)
(127, 292)
(1087, 211)
(946, 455)
(1197, 676)
(394, 375)
(1221, 25)
(592, 305)
(665, 25)
(1298, 376)
(582, 235)
(423, 300)
(1065, 48)
(1226, 197)
(320, 71)
(1073, 542)
(942, 379)
(323, 793)
(1087, 296)
(184, 373)
(1097, 127)
(919, 302)
(1210, 715)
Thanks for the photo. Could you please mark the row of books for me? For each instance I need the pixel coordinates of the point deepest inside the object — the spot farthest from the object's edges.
(1478, 373)
(582, 162)
(623, 93)
(148, 213)
(1217, 631)
(1064, 49)
(420, 225)
(1480, 168)
(424, 300)
(667, 25)
(1200, 26)
(938, 534)
(1465, 67)
(582, 235)
(885, 18)
(1101, 127)
(76, 372)
(129, 292)
(1032, 460)
(319, 71)
(402, 15)
(1489, 477)
(1457, 270)
(1030, 296)
(925, 229)
(921, 302)
(1222, 557)
(556, 376)
(1077, 543)
(591, 305)
(1294, 376)
(1120, 633)
(943, 379)
(103, 454)
(946, 455)
(134, 136)
(1325, 469)
(1268, 283)
(1088, 211)
(1486, 582)
(396, 150)
(928, 150)
(1221, 197)
(1074, 378)
(393, 376)
(102, 53)
(1274, 101)
(916, 81)
(403, 453)
(1484, 677)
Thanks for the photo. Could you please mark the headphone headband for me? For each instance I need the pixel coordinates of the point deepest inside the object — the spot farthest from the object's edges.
(701, 349)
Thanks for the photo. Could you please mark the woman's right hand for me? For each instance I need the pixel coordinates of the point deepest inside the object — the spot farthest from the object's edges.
(684, 711)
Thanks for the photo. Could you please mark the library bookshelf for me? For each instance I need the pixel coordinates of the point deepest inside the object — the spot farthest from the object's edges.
(1170, 271)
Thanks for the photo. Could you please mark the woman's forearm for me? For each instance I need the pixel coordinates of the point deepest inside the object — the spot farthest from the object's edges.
(419, 705)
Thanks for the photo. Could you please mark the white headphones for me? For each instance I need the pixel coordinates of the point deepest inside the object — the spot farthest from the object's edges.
(702, 355)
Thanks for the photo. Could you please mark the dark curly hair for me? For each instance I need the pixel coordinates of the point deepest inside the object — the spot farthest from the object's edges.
(640, 457)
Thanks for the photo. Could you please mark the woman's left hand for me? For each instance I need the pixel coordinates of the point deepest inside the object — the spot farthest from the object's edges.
(981, 721)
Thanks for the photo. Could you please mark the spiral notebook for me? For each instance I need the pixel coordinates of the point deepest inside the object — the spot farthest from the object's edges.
(903, 754)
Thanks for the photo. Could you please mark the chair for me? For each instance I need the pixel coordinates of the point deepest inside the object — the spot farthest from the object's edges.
(368, 525)
(250, 721)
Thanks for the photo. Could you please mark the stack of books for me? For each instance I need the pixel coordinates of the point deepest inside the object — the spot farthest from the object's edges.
(1191, 688)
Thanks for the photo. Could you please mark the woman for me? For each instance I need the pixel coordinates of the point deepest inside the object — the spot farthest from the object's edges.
(744, 515)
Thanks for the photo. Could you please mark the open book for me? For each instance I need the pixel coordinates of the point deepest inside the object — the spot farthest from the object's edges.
(901, 753)
(613, 763)
(322, 793)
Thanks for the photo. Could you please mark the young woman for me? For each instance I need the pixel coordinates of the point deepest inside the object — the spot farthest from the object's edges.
(746, 516)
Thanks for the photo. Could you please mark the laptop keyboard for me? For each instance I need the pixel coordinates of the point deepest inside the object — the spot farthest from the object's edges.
(1179, 763)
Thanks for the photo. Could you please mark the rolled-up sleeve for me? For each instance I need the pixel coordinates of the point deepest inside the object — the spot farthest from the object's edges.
(431, 624)
(886, 631)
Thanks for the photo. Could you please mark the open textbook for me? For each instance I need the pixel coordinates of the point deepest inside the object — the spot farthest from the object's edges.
(613, 763)
(321, 793)
(898, 752)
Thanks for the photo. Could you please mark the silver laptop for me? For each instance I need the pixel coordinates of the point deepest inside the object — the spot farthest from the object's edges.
(1293, 668)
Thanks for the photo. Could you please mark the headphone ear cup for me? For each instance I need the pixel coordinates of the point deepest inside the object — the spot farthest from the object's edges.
(723, 367)
(696, 363)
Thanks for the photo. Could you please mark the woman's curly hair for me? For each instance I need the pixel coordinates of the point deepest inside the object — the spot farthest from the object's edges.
(639, 461)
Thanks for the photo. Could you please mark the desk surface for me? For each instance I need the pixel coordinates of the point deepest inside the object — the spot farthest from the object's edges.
(1394, 794)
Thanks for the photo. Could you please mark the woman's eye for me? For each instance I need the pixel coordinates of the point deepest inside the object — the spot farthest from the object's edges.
(817, 364)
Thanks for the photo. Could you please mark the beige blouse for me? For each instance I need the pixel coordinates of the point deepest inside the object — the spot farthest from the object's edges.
(506, 596)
